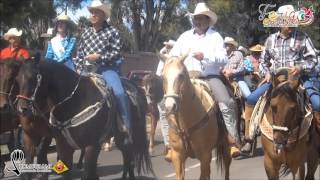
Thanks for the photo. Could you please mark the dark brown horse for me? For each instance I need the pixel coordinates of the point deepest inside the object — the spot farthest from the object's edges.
(51, 90)
(9, 117)
(152, 85)
(284, 132)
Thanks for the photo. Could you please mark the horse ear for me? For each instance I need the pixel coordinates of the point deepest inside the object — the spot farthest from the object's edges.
(184, 56)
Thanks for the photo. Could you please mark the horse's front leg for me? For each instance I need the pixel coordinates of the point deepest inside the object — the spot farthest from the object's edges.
(299, 173)
(152, 131)
(65, 154)
(205, 166)
(272, 168)
(178, 160)
(29, 150)
(90, 162)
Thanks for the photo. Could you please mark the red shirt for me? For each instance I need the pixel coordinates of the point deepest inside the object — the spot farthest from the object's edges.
(14, 52)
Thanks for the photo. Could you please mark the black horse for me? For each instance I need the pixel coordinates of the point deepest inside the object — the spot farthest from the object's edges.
(53, 91)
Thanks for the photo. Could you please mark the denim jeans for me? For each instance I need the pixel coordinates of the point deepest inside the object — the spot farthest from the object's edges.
(253, 98)
(312, 86)
(245, 91)
(113, 80)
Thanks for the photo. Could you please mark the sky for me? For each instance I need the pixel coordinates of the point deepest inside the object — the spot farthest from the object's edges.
(83, 11)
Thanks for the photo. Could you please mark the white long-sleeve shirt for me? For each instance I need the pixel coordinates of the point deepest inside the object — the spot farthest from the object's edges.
(210, 44)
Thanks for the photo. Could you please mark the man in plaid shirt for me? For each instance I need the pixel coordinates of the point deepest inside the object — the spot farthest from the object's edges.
(98, 51)
(286, 48)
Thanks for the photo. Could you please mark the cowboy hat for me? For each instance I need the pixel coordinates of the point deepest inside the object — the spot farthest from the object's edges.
(48, 34)
(12, 32)
(96, 4)
(202, 9)
(169, 43)
(230, 40)
(285, 10)
(257, 48)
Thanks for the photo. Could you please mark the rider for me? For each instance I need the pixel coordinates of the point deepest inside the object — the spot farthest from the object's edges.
(100, 47)
(208, 56)
(61, 47)
(14, 49)
(235, 68)
(287, 48)
(163, 120)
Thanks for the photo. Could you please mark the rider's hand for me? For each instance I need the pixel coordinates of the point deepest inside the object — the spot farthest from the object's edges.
(266, 79)
(92, 57)
(295, 71)
(198, 55)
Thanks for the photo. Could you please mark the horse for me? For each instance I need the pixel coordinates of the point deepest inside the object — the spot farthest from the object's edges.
(284, 128)
(195, 121)
(59, 95)
(9, 117)
(152, 85)
(313, 155)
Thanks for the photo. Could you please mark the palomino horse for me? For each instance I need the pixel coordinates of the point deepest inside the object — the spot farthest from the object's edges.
(152, 85)
(195, 121)
(9, 117)
(79, 115)
(285, 136)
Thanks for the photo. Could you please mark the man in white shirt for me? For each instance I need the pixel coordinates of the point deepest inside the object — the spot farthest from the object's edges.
(208, 56)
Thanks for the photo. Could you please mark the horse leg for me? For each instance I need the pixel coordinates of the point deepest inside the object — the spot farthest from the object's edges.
(178, 160)
(42, 151)
(227, 162)
(90, 165)
(312, 163)
(80, 162)
(128, 165)
(29, 150)
(205, 166)
(272, 168)
(299, 173)
(65, 154)
(152, 132)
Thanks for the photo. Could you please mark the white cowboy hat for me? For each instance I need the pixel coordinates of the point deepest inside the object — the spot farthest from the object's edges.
(202, 9)
(12, 32)
(230, 40)
(170, 42)
(285, 10)
(96, 4)
(48, 34)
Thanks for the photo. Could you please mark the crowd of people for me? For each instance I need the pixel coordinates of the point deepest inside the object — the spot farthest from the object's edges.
(98, 50)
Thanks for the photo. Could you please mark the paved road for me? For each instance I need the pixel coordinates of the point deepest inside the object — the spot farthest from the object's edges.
(109, 167)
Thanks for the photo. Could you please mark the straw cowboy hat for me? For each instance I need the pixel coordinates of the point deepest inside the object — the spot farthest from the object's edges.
(12, 32)
(285, 10)
(257, 48)
(48, 34)
(230, 40)
(96, 4)
(202, 9)
(169, 43)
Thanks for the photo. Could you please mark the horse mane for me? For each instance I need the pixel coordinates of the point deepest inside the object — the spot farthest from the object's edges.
(285, 89)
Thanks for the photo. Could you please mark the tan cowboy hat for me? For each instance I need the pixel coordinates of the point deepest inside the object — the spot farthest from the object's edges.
(12, 32)
(257, 48)
(170, 42)
(230, 40)
(285, 10)
(48, 34)
(106, 8)
(202, 9)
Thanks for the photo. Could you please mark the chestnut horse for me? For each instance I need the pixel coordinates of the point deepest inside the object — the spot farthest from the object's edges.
(57, 94)
(195, 122)
(285, 136)
(152, 85)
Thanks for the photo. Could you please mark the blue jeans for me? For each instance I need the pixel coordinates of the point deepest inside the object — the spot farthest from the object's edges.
(113, 80)
(253, 98)
(243, 87)
(312, 86)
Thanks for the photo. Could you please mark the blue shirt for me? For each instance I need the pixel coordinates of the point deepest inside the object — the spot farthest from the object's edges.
(69, 43)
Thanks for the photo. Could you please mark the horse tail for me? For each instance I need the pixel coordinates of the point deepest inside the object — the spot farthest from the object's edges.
(222, 143)
(140, 152)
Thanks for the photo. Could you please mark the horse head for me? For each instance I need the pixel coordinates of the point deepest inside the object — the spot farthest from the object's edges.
(285, 108)
(8, 71)
(152, 85)
(28, 80)
(175, 76)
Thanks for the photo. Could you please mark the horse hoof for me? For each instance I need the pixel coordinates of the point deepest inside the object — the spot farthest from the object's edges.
(234, 152)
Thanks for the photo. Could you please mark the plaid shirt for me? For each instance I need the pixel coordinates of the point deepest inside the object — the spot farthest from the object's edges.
(235, 62)
(105, 42)
(296, 50)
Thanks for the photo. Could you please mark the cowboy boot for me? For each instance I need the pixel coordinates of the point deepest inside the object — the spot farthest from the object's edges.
(247, 115)
(317, 121)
